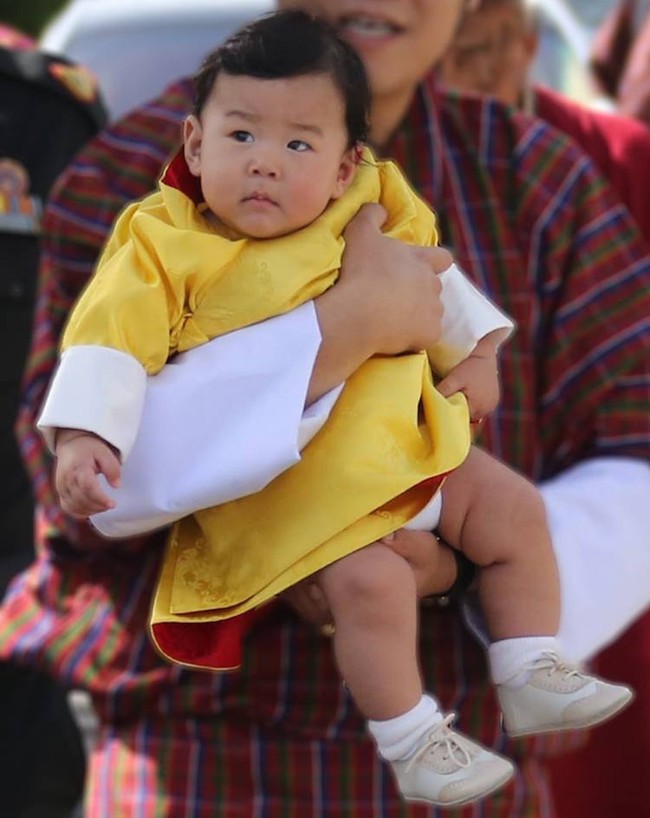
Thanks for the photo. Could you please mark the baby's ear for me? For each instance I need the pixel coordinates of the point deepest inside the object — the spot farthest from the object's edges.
(347, 172)
(192, 139)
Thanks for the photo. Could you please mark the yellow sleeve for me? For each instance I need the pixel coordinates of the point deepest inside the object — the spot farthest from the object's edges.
(135, 301)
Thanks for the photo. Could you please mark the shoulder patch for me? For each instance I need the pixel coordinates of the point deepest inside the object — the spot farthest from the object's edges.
(79, 81)
(19, 212)
(14, 178)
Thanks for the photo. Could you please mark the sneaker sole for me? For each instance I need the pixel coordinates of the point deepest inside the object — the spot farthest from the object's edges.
(467, 799)
(594, 721)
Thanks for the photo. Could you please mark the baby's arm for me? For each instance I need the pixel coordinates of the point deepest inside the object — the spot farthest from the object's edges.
(477, 377)
(466, 355)
(81, 457)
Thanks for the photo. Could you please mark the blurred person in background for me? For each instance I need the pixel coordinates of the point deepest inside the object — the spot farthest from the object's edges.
(28, 18)
(620, 57)
(517, 203)
(48, 109)
(492, 54)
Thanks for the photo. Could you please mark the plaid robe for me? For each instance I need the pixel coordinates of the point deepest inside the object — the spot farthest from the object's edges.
(620, 147)
(539, 230)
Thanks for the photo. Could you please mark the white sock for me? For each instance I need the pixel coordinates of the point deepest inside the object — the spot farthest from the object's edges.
(509, 657)
(400, 737)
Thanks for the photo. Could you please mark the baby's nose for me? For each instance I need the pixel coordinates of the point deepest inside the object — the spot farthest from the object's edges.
(263, 166)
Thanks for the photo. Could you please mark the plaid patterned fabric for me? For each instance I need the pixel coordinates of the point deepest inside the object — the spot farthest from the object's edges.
(537, 228)
(617, 144)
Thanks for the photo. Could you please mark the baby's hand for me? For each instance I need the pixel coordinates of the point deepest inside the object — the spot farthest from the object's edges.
(477, 377)
(81, 456)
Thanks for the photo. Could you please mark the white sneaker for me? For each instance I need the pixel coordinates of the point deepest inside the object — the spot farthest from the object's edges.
(449, 770)
(559, 697)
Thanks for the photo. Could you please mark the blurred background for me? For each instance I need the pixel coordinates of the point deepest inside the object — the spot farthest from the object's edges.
(134, 49)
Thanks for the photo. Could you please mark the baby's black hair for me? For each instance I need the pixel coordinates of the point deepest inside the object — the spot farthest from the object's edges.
(291, 44)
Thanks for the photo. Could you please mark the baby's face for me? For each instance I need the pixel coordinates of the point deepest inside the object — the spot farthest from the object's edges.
(270, 154)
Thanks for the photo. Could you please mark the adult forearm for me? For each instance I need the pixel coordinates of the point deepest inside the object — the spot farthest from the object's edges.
(344, 346)
(219, 422)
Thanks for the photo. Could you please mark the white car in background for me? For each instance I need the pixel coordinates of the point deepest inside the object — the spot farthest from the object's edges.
(137, 47)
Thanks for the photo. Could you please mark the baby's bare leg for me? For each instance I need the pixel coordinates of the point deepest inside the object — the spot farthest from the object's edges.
(372, 596)
(497, 518)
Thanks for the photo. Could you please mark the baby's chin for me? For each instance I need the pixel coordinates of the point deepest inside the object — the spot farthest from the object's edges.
(260, 232)
(258, 229)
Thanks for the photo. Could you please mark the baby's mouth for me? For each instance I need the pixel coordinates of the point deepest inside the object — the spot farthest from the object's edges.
(262, 198)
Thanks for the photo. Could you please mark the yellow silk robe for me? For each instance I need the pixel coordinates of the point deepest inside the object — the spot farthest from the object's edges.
(168, 281)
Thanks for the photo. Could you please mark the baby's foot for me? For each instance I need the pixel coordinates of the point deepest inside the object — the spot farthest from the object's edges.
(449, 770)
(557, 697)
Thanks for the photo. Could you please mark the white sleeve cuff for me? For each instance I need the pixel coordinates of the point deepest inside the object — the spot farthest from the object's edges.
(99, 390)
(599, 517)
(468, 316)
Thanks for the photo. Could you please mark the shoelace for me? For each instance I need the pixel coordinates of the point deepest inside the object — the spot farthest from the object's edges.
(442, 736)
(549, 660)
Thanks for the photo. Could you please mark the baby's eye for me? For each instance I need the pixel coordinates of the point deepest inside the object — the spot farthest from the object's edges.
(242, 136)
(298, 145)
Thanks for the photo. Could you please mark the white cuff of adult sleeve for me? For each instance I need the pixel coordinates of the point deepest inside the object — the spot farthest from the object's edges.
(99, 390)
(468, 316)
(599, 517)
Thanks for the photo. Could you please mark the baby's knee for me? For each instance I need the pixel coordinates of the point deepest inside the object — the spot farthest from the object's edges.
(501, 510)
(526, 504)
(375, 575)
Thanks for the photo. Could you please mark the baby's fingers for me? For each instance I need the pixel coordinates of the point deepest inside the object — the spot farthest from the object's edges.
(93, 493)
(83, 495)
(451, 384)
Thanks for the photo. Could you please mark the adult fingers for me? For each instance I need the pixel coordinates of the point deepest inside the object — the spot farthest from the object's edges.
(308, 600)
(371, 216)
